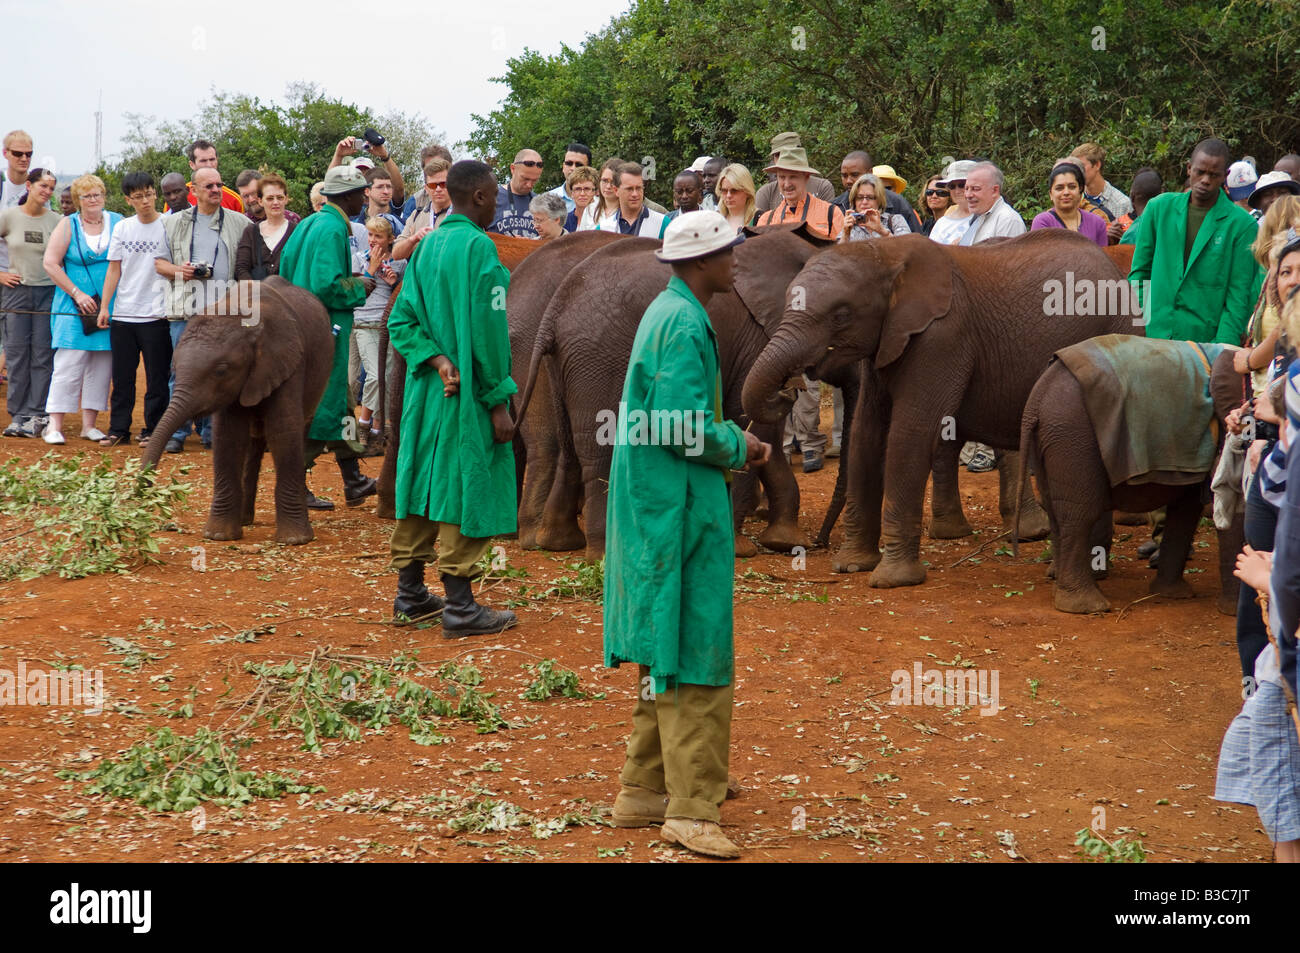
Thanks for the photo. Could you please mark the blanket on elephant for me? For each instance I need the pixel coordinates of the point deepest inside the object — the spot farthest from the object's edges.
(1149, 404)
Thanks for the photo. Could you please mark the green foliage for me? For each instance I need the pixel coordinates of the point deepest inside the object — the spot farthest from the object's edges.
(83, 522)
(912, 81)
(549, 681)
(586, 582)
(294, 139)
(171, 772)
(1098, 849)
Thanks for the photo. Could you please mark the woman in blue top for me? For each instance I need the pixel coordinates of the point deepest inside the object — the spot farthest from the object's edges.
(76, 258)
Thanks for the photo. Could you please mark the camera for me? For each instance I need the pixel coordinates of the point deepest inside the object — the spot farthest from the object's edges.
(369, 139)
(858, 216)
(202, 269)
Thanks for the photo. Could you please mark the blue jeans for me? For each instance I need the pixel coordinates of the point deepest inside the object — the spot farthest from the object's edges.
(202, 425)
(1260, 526)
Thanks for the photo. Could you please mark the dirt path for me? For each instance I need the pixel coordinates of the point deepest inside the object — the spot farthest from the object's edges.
(1111, 718)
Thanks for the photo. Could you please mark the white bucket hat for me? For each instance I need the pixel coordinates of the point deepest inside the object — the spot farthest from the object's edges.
(695, 235)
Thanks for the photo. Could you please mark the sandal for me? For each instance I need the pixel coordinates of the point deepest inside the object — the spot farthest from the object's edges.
(113, 440)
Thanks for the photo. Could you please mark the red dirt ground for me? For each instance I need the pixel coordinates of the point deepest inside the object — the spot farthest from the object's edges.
(1117, 717)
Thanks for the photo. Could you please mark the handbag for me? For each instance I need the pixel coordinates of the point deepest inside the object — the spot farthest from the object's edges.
(90, 322)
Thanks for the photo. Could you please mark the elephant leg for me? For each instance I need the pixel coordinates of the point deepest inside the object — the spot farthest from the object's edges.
(1033, 521)
(230, 439)
(252, 471)
(1181, 516)
(559, 530)
(913, 434)
(541, 452)
(947, 521)
(1076, 493)
(386, 507)
(782, 533)
(744, 494)
(1231, 540)
(860, 549)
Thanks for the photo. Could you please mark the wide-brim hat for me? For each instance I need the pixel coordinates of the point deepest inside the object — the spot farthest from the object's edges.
(893, 181)
(786, 140)
(1272, 180)
(792, 159)
(957, 171)
(343, 179)
(697, 234)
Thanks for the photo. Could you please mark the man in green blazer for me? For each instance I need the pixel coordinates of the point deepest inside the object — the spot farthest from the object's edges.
(1192, 266)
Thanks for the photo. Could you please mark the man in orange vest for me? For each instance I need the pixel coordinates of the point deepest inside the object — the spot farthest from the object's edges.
(203, 155)
(797, 203)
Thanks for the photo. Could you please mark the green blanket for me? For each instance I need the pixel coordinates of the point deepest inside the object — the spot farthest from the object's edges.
(1149, 403)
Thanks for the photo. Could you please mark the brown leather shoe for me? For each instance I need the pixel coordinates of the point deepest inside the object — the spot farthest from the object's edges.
(638, 807)
(702, 837)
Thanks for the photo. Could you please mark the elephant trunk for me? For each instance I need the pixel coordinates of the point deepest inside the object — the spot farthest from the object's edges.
(797, 344)
(181, 408)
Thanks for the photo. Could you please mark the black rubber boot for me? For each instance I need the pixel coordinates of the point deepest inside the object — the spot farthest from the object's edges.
(356, 485)
(463, 616)
(314, 502)
(414, 600)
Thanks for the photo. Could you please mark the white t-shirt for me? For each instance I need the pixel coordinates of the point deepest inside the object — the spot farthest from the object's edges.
(949, 230)
(9, 196)
(141, 291)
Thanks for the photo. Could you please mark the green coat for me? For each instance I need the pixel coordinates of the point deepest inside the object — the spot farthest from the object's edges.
(452, 302)
(1213, 297)
(317, 257)
(669, 557)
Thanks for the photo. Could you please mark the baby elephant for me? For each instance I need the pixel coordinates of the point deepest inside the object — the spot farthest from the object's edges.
(1121, 422)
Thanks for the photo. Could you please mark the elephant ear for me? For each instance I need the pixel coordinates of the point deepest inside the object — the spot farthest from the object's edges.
(922, 291)
(763, 269)
(277, 342)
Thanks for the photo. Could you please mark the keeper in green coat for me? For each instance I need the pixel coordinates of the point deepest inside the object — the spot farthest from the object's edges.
(456, 465)
(317, 257)
(1194, 248)
(669, 558)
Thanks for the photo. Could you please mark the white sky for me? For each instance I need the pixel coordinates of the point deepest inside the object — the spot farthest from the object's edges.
(161, 59)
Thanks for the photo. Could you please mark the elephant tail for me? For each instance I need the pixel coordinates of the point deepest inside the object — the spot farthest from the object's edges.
(1028, 446)
(542, 345)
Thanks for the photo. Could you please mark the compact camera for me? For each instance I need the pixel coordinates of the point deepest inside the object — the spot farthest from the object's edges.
(202, 269)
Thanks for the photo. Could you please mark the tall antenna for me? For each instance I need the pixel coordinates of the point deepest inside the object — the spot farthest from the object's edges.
(99, 132)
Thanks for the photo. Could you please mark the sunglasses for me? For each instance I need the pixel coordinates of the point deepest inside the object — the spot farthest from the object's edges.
(20, 154)
(531, 163)
(942, 193)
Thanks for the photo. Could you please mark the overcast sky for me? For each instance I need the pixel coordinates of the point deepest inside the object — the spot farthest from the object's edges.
(436, 59)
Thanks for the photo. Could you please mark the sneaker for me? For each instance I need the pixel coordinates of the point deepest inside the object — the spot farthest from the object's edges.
(52, 436)
(94, 433)
(981, 461)
(34, 426)
(15, 429)
(833, 451)
(812, 461)
(174, 445)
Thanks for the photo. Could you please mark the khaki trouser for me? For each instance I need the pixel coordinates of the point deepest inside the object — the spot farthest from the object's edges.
(805, 419)
(413, 540)
(679, 746)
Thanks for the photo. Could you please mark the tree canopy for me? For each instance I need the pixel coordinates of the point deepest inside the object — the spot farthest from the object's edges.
(294, 139)
(913, 82)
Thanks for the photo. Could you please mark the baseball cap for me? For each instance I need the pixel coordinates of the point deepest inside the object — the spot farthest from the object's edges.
(699, 164)
(695, 235)
(363, 163)
(1241, 180)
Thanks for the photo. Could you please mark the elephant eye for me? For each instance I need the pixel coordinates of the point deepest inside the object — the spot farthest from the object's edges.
(221, 368)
